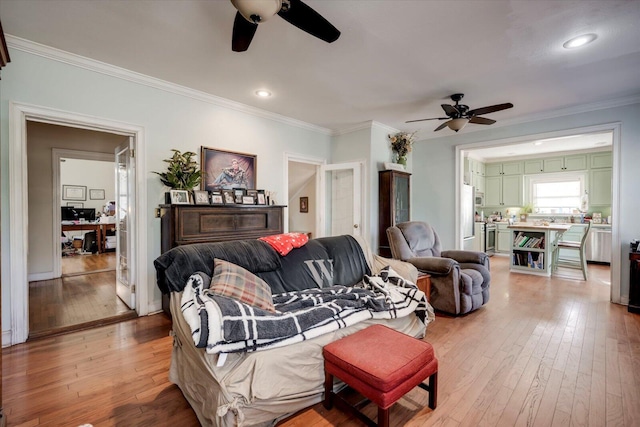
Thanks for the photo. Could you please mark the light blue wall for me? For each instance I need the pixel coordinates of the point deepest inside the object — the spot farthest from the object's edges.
(434, 169)
(170, 120)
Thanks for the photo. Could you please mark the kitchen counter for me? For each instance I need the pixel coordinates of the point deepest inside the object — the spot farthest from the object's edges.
(532, 246)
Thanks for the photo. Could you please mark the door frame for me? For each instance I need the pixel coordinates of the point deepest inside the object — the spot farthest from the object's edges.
(300, 158)
(615, 128)
(16, 259)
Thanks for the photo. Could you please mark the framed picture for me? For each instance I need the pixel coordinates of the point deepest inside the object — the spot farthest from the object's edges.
(262, 199)
(217, 199)
(304, 204)
(77, 205)
(238, 194)
(74, 192)
(248, 200)
(201, 197)
(229, 197)
(96, 194)
(225, 170)
(180, 197)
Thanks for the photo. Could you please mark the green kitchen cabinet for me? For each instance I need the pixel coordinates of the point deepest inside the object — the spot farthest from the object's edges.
(501, 169)
(503, 191)
(565, 164)
(601, 160)
(600, 193)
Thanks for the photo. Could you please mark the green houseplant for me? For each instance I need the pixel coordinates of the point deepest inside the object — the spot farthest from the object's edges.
(182, 171)
(525, 210)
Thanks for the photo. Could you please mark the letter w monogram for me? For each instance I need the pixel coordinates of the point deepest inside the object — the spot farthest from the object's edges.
(319, 270)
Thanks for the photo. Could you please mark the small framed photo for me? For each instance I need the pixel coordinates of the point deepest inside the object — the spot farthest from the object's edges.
(201, 197)
(96, 194)
(217, 199)
(180, 197)
(77, 205)
(248, 200)
(74, 192)
(262, 199)
(238, 194)
(229, 197)
(304, 204)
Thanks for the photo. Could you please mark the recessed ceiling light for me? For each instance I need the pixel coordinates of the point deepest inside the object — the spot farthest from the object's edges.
(263, 93)
(579, 41)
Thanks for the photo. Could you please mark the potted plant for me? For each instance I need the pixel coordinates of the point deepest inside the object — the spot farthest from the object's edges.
(182, 171)
(525, 210)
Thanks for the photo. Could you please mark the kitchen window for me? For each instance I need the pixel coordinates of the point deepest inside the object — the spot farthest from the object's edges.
(557, 193)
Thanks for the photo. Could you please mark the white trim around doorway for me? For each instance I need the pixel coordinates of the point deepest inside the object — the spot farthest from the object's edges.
(16, 258)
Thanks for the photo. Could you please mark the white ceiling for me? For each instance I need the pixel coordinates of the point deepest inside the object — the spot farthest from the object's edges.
(395, 60)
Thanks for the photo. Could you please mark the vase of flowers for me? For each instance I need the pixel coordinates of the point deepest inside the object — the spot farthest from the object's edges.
(401, 144)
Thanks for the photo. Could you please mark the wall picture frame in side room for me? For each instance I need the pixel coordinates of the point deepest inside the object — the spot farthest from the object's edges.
(96, 194)
(180, 197)
(225, 170)
(304, 204)
(74, 192)
(201, 197)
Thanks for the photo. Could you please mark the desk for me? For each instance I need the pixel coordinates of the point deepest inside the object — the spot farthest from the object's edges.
(100, 229)
(532, 247)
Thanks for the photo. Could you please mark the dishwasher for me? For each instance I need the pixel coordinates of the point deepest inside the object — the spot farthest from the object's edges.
(598, 245)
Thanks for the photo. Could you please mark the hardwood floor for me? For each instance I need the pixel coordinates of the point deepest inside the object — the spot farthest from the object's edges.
(79, 300)
(543, 352)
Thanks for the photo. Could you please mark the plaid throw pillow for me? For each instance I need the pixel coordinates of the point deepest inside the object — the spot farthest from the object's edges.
(233, 281)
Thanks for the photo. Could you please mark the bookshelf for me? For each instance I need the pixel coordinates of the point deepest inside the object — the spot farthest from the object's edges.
(532, 247)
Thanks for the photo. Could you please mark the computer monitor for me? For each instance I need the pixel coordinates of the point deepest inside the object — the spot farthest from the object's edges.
(75, 214)
(69, 213)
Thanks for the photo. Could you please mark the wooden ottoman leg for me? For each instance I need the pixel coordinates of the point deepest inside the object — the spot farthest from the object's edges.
(383, 417)
(328, 390)
(433, 390)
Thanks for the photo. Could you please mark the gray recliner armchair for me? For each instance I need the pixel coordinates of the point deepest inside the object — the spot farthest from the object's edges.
(459, 279)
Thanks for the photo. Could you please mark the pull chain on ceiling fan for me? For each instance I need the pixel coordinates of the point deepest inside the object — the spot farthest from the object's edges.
(459, 115)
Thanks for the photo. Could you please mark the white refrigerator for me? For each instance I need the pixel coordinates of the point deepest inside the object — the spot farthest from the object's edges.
(467, 215)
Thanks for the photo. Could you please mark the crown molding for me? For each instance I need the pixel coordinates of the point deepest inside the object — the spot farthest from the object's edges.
(365, 125)
(72, 59)
(568, 111)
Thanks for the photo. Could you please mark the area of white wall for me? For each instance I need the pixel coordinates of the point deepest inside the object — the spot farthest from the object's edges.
(171, 119)
(92, 174)
(434, 167)
(303, 221)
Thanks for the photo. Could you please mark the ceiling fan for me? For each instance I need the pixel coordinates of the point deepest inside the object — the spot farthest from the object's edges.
(459, 115)
(252, 12)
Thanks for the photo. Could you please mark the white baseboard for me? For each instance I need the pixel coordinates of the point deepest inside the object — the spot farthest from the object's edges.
(6, 338)
(155, 307)
(624, 300)
(48, 275)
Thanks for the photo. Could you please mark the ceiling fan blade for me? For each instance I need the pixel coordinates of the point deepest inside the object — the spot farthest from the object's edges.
(310, 21)
(481, 121)
(442, 126)
(243, 32)
(450, 110)
(490, 109)
(432, 118)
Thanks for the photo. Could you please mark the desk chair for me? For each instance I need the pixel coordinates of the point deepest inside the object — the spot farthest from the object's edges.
(572, 246)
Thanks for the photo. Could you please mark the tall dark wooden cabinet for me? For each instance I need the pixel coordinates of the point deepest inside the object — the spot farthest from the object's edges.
(393, 204)
(634, 282)
(187, 224)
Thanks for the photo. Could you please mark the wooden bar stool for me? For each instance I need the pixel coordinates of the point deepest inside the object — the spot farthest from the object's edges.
(567, 245)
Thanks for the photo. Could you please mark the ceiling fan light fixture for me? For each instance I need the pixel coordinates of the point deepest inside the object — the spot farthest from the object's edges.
(257, 10)
(579, 41)
(457, 124)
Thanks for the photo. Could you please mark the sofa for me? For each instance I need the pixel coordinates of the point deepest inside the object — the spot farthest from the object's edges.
(247, 382)
(460, 280)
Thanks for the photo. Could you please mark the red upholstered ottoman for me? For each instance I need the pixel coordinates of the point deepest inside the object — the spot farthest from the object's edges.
(381, 364)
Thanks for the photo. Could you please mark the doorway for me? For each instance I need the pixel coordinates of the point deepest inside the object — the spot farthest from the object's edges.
(72, 279)
(19, 207)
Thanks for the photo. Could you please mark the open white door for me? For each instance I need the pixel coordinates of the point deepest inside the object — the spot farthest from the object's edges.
(125, 237)
(341, 199)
